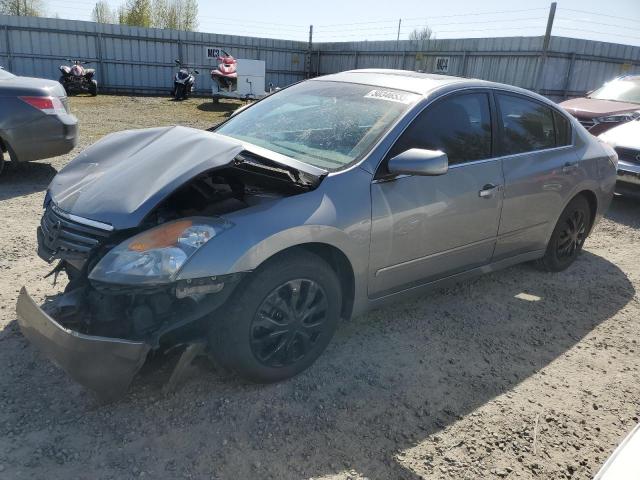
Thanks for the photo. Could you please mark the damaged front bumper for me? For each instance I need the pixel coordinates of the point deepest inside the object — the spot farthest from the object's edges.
(104, 365)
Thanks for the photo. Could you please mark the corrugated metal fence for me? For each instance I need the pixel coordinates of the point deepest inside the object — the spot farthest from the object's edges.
(141, 60)
(132, 59)
(570, 66)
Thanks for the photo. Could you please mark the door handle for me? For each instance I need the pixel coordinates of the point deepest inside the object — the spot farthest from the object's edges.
(569, 167)
(488, 190)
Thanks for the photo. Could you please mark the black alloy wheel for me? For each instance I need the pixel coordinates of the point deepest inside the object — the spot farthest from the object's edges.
(572, 235)
(279, 319)
(289, 322)
(568, 236)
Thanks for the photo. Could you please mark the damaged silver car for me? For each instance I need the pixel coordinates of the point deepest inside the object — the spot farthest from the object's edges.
(313, 205)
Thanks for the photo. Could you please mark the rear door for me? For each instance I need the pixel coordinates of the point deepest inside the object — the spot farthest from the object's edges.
(540, 169)
(425, 228)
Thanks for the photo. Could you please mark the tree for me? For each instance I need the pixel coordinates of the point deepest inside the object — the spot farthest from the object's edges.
(102, 13)
(175, 14)
(136, 13)
(32, 8)
(424, 33)
(189, 15)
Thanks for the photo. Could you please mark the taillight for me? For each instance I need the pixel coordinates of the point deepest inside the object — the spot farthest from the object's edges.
(48, 105)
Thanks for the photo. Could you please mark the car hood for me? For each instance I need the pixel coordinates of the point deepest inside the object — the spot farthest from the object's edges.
(124, 176)
(626, 135)
(31, 86)
(593, 107)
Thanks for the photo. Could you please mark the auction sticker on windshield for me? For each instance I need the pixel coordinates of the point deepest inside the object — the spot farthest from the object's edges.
(391, 96)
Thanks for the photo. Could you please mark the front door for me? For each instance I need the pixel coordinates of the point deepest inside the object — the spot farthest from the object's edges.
(425, 228)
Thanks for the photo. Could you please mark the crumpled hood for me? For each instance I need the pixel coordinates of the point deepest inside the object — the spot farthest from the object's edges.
(121, 178)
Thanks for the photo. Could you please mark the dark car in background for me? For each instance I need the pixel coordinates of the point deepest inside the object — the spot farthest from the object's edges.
(616, 102)
(35, 121)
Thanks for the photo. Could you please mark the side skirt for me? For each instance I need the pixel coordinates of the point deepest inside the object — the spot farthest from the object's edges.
(453, 279)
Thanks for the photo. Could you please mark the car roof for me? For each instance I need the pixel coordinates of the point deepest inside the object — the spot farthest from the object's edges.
(416, 82)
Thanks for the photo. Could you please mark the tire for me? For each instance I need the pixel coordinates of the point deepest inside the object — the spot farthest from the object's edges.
(93, 88)
(180, 92)
(1, 161)
(568, 236)
(64, 85)
(259, 336)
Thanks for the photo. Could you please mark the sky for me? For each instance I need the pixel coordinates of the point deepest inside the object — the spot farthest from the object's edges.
(616, 21)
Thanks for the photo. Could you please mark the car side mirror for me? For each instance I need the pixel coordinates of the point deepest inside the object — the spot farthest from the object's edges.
(418, 161)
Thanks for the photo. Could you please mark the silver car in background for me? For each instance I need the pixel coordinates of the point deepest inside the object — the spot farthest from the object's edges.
(315, 204)
(35, 121)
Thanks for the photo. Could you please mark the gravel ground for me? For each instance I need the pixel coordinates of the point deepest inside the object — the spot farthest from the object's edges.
(518, 374)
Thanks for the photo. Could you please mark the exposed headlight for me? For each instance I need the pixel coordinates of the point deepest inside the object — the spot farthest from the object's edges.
(619, 117)
(156, 256)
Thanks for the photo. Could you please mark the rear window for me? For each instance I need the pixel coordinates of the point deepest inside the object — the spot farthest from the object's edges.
(4, 75)
(527, 125)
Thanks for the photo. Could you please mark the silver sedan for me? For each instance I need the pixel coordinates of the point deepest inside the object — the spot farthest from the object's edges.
(313, 205)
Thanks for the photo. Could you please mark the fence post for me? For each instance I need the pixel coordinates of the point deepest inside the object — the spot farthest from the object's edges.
(355, 60)
(8, 39)
(99, 55)
(308, 56)
(545, 47)
(464, 64)
(567, 79)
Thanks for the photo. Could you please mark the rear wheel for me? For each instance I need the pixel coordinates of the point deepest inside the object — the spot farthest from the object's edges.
(279, 322)
(179, 92)
(568, 237)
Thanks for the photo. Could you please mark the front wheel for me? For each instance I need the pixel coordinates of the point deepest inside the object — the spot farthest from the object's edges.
(568, 237)
(1, 161)
(93, 88)
(280, 321)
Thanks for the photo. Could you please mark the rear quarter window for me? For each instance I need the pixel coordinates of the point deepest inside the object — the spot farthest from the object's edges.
(563, 129)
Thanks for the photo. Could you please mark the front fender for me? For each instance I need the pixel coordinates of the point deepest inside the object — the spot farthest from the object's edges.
(337, 214)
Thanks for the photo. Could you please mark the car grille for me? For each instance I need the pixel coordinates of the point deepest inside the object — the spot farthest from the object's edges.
(60, 237)
(586, 122)
(628, 155)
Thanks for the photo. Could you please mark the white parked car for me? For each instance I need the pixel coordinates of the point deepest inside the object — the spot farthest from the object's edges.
(625, 139)
(624, 463)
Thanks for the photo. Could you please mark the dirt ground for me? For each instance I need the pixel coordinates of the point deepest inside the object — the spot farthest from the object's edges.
(518, 374)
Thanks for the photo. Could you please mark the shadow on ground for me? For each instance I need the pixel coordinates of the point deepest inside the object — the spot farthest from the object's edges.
(24, 179)
(625, 210)
(227, 107)
(388, 381)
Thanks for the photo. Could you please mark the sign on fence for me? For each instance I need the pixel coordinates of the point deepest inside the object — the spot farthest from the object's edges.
(442, 64)
(213, 52)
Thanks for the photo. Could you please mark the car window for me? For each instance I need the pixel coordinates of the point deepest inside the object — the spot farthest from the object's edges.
(527, 125)
(460, 126)
(563, 130)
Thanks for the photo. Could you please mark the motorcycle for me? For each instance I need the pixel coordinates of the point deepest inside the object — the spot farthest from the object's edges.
(184, 82)
(226, 75)
(77, 78)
